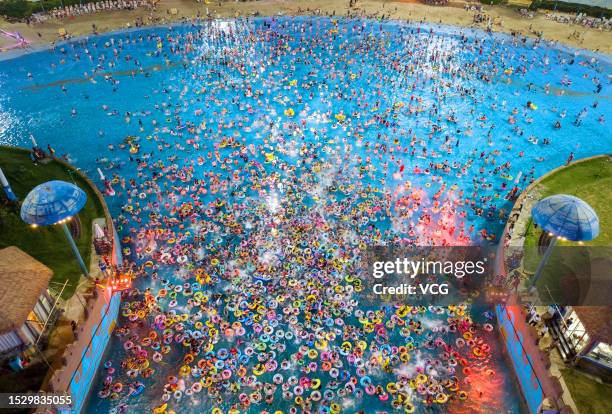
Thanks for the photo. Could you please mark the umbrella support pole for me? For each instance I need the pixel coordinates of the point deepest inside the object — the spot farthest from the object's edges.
(544, 260)
(75, 250)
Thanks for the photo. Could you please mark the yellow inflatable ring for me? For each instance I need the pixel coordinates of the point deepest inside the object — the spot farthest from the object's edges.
(321, 345)
(441, 398)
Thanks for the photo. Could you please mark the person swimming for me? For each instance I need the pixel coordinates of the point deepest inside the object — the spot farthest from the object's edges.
(272, 156)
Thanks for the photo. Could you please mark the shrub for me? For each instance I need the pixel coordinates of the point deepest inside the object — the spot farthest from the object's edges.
(561, 6)
(22, 9)
(16, 9)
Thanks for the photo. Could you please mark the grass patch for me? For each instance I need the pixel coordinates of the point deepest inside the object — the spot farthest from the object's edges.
(590, 396)
(47, 244)
(591, 181)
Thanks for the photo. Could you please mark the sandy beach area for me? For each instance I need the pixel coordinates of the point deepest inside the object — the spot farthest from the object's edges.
(507, 19)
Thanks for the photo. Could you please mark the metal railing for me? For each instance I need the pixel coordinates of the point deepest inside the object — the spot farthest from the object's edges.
(523, 348)
(93, 335)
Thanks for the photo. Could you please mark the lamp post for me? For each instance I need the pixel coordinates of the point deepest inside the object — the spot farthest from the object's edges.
(55, 202)
(7, 187)
(564, 217)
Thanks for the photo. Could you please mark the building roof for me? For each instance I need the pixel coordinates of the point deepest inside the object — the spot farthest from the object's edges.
(22, 281)
(597, 321)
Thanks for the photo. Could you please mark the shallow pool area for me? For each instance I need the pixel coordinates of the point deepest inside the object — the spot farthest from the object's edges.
(248, 163)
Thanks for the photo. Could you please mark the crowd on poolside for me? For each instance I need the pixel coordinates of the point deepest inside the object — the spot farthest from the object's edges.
(582, 20)
(88, 8)
(111, 5)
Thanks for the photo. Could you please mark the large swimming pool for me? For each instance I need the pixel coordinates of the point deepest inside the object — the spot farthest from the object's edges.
(248, 163)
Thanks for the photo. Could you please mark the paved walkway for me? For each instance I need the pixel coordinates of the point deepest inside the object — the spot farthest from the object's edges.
(546, 364)
(73, 310)
(556, 363)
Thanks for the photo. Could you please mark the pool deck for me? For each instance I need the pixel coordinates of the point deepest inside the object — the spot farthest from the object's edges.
(506, 19)
(74, 309)
(546, 363)
(68, 351)
(519, 218)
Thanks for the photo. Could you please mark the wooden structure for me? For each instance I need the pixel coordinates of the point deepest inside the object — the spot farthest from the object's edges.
(26, 306)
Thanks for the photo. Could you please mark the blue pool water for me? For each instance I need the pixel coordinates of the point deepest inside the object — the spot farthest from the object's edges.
(323, 135)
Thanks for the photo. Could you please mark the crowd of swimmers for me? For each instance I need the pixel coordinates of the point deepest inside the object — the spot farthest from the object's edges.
(254, 183)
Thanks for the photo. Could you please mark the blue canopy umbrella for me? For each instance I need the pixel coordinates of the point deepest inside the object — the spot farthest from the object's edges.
(565, 217)
(55, 202)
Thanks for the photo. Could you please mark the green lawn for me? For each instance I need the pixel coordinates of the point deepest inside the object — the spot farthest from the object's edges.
(46, 244)
(590, 181)
(590, 396)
